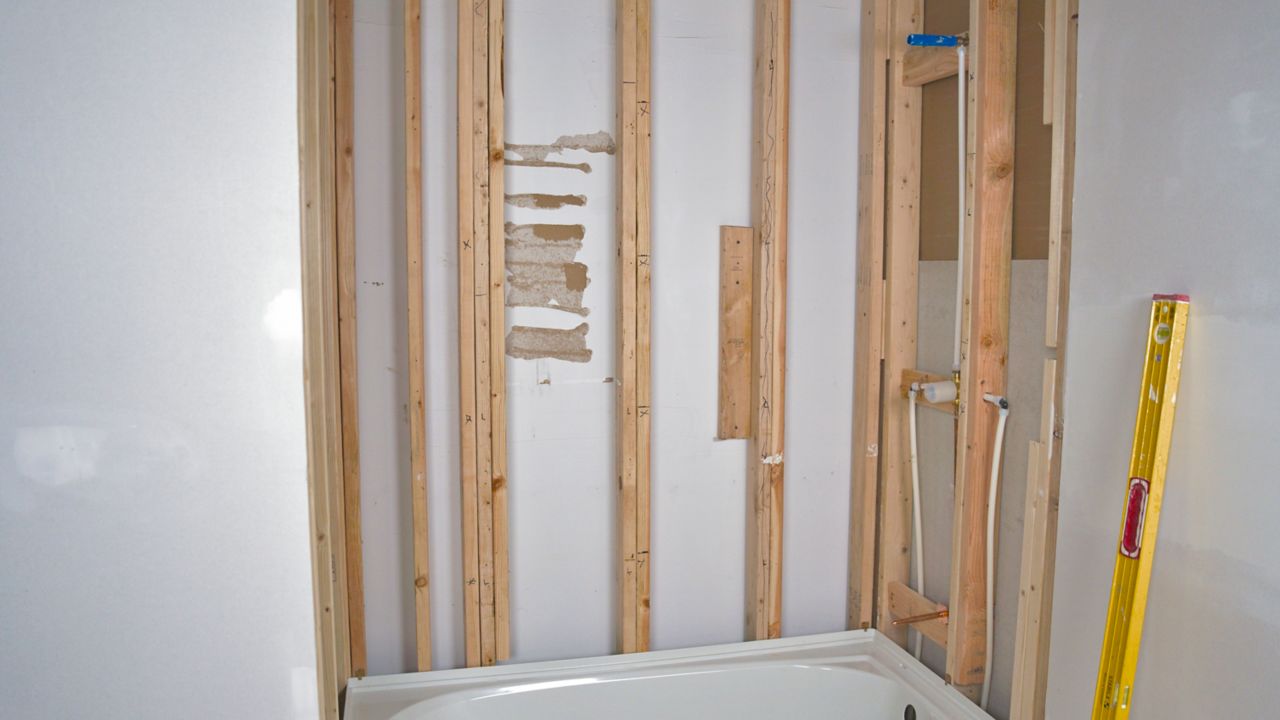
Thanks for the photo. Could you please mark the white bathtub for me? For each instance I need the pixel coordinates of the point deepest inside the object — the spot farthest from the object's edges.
(848, 675)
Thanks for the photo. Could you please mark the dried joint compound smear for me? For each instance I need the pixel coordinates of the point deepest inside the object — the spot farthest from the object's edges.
(536, 155)
(547, 285)
(539, 201)
(530, 343)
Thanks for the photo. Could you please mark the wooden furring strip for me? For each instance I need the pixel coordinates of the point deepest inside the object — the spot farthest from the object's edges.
(923, 65)
(633, 386)
(901, 259)
(984, 343)
(765, 459)
(733, 418)
(344, 129)
(482, 328)
(417, 364)
(869, 321)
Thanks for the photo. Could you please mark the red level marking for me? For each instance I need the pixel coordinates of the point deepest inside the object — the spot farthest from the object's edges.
(1134, 516)
(1174, 297)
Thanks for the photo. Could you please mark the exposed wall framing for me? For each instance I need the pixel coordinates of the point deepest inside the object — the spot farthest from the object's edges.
(769, 308)
(417, 364)
(633, 381)
(1039, 548)
(321, 354)
(869, 319)
(482, 327)
(984, 343)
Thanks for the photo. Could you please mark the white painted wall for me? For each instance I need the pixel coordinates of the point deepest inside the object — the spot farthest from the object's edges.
(560, 80)
(1178, 169)
(154, 560)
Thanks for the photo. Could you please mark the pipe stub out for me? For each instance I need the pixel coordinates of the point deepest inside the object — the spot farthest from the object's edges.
(943, 391)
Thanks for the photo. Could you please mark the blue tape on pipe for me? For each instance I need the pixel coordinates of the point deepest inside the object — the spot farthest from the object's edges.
(922, 40)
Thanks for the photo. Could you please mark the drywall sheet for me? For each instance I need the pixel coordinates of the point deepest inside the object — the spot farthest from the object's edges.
(937, 449)
(560, 82)
(154, 554)
(1177, 171)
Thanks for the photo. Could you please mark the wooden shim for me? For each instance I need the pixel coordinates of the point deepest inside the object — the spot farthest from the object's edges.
(918, 376)
(869, 320)
(644, 85)
(417, 364)
(905, 602)
(633, 387)
(321, 353)
(1050, 59)
(769, 291)
(902, 253)
(923, 65)
(497, 331)
(467, 340)
(734, 419)
(1062, 170)
(984, 345)
(344, 129)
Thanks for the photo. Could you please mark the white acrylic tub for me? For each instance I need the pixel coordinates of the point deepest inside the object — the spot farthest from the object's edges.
(848, 675)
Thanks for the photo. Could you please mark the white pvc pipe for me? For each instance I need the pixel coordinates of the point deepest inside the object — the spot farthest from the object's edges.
(917, 544)
(962, 111)
(994, 493)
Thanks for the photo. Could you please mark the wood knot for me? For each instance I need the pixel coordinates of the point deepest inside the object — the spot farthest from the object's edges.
(1003, 170)
(499, 482)
(420, 581)
(497, 155)
(988, 341)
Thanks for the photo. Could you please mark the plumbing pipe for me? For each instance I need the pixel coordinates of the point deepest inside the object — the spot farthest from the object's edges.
(962, 105)
(917, 544)
(1003, 404)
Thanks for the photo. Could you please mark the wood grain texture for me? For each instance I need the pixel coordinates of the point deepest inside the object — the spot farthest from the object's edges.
(984, 344)
(765, 458)
(321, 353)
(633, 329)
(733, 419)
(1040, 539)
(344, 129)
(415, 314)
(902, 246)
(482, 341)
(905, 602)
(923, 65)
(869, 305)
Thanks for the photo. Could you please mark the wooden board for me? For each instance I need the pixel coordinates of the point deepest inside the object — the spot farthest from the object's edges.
(923, 65)
(734, 418)
(902, 245)
(905, 602)
(321, 355)
(482, 333)
(344, 129)
(869, 306)
(984, 345)
(633, 386)
(918, 376)
(765, 456)
(417, 364)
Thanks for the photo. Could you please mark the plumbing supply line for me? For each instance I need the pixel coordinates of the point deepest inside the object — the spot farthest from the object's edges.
(918, 542)
(1003, 404)
(962, 111)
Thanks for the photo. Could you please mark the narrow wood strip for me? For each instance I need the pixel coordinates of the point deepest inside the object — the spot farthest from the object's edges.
(765, 456)
(869, 305)
(923, 65)
(497, 334)
(479, 146)
(985, 334)
(901, 258)
(627, 377)
(644, 83)
(905, 602)
(417, 364)
(467, 340)
(344, 129)
(734, 406)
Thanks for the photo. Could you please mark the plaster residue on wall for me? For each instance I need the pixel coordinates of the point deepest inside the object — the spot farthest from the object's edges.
(540, 201)
(532, 343)
(542, 267)
(537, 155)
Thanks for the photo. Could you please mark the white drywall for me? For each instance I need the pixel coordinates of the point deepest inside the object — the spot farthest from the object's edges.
(936, 437)
(154, 560)
(560, 80)
(1178, 170)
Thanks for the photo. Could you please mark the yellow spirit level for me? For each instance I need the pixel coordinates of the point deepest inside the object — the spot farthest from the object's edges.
(1145, 490)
